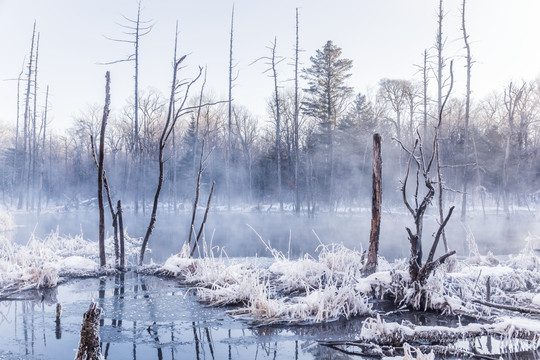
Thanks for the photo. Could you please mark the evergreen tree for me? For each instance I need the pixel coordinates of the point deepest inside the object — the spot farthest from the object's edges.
(326, 99)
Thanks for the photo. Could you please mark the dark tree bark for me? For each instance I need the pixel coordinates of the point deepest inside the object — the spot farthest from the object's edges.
(296, 113)
(197, 192)
(89, 344)
(204, 220)
(278, 123)
(121, 231)
(467, 113)
(101, 240)
(229, 126)
(376, 203)
(173, 114)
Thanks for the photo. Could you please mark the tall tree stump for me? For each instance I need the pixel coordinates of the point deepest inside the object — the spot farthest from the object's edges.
(376, 203)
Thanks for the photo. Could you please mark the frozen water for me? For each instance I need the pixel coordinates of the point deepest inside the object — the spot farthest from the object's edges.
(148, 317)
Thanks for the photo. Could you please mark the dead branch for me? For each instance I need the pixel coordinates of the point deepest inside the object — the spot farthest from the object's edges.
(519, 309)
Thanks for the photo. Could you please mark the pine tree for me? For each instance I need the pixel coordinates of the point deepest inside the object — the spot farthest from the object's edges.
(326, 99)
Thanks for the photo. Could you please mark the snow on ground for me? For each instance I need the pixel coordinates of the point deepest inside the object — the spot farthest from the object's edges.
(332, 285)
(42, 262)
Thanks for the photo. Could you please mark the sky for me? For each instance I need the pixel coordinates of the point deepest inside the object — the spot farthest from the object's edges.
(384, 38)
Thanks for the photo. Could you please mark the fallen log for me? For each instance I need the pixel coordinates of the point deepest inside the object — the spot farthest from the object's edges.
(519, 309)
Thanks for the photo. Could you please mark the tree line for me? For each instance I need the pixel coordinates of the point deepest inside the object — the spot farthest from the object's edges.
(310, 153)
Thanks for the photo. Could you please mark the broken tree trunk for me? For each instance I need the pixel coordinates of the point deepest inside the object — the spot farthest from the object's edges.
(376, 202)
(101, 240)
(121, 231)
(89, 345)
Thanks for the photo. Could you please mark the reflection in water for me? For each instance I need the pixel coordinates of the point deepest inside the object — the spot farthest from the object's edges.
(152, 318)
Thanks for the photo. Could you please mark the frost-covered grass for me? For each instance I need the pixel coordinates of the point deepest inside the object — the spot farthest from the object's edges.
(305, 290)
(42, 262)
(331, 285)
(6, 221)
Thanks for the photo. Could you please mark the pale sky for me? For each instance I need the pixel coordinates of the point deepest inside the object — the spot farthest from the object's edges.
(384, 38)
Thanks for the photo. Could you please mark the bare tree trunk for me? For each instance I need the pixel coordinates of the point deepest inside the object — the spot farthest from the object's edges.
(296, 113)
(26, 120)
(229, 127)
(278, 125)
(101, 240)
(42, 159)
(467, 112)
(505, 178)
(204, 220)
(376, 203)
(440, 60)
(425, 83)
(34, 152)
(120, 219)
(197, 192)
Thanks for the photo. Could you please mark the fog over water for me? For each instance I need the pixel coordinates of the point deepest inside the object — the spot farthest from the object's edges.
(238, 231)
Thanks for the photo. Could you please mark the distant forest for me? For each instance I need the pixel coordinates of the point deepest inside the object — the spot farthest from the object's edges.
(313, 151)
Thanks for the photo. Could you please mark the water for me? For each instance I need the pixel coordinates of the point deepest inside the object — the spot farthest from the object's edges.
(289, 233)
(147, 317)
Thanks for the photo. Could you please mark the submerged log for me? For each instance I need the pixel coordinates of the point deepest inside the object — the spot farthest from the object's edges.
(89, 345)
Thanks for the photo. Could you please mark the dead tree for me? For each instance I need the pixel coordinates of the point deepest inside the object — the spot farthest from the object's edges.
(101, 240)
(272, 61)
(419, 273)
(202, 166)
(135, 29)
(176, 110)
(27, 117)
(376, 202)
(467, 112)
(229, 127)
(114, 216)
(42, 157)
(438, 157)
(89, 344)
(296, 113)
(120, 219)
(204, 220)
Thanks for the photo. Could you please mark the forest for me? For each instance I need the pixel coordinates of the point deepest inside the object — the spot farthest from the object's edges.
(311, 152)
(415, 151)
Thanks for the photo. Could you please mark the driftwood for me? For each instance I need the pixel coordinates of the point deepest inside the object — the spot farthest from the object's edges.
(89, 345)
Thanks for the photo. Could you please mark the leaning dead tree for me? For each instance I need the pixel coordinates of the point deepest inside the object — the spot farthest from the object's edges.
(177, 109)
